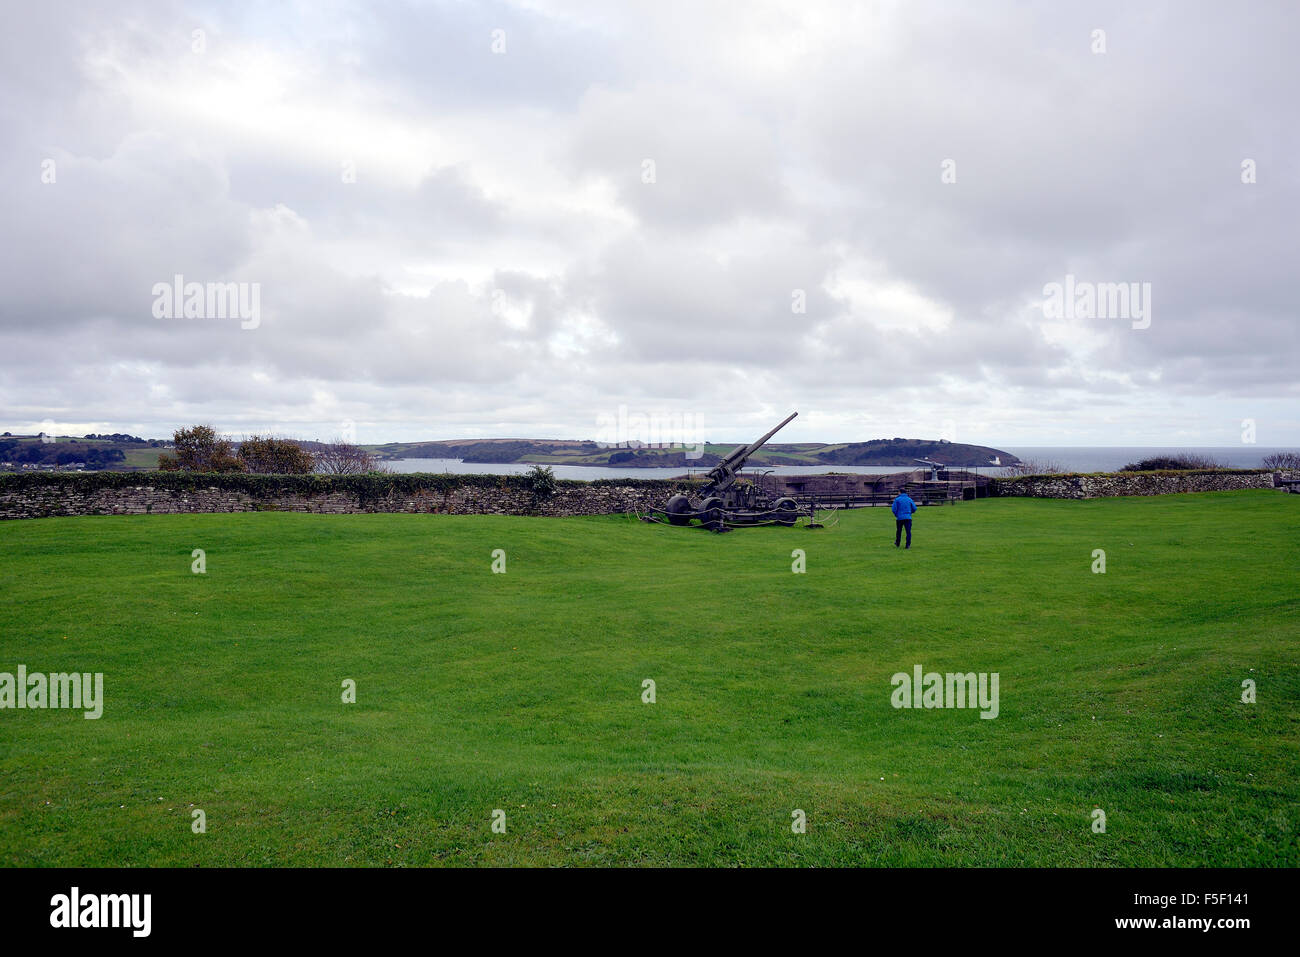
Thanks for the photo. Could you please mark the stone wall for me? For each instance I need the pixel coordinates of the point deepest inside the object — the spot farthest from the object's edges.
(570, 498)
(839, 483)
(39, 496)
(1133, 483)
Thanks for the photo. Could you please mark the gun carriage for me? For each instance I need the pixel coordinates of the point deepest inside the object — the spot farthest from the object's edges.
(726, 501)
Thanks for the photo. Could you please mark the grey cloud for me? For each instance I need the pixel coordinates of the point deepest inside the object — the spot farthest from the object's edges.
(439, 303)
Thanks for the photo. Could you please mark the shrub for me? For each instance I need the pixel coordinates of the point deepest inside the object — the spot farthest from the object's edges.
(343, 458)
(269, 456)
(1181, 462)
(200, 449)
(541, 481)
(1282, 460)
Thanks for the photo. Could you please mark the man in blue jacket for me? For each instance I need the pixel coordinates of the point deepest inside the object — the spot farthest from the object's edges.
(903, 508)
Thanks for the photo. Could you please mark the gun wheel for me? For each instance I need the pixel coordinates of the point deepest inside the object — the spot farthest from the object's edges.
(711, 511)
(679, 510)
(787, 511)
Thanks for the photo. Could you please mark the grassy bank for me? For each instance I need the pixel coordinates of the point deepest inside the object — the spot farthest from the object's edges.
(523, 691)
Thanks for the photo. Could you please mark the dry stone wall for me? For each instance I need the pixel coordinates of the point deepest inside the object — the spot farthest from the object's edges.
(145, 498)
(1133, 483)
(150, 493)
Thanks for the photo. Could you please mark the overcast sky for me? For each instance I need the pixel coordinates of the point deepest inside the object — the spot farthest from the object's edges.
(512, 219)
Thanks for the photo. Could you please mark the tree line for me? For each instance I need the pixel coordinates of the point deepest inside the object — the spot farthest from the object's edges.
(200, 449)
(64, 453)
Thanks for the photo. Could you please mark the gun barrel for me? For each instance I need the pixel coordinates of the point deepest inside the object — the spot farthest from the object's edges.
(763, 441)
(722, 475)
(741, 453)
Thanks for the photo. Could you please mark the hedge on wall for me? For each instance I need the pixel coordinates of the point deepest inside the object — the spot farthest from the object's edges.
(995, 484)
(367, 488)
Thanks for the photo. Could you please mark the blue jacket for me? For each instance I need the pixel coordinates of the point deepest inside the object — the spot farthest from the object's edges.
(903, 506)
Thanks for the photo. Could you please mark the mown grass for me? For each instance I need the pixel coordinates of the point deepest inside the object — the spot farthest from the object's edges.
(523, 691)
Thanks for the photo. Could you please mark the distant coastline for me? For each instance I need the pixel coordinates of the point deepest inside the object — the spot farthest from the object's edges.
(896, 452)
(587, 459)
(1069, 458)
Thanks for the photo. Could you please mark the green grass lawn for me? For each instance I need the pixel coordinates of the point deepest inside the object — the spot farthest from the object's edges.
(523, 691)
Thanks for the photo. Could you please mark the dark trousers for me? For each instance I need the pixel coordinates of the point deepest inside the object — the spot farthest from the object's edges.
(899, 525)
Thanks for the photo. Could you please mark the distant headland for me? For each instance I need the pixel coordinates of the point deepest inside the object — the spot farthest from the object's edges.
(896, 451)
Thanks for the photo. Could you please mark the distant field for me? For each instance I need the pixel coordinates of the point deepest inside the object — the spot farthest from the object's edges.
(523, 691)
(142, 458)
(89, 452)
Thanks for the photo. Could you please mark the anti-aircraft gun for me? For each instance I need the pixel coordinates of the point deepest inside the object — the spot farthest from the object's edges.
(723, 501)
(935, 467)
